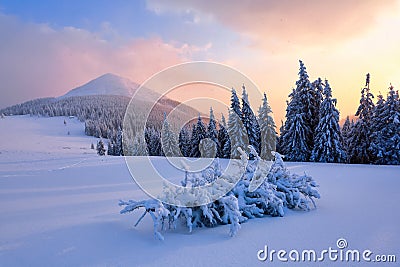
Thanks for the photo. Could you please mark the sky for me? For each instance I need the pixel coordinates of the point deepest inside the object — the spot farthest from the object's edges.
(49, 47)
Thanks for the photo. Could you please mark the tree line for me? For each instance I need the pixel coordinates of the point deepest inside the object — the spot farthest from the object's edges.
(215, 139)
(311, 131)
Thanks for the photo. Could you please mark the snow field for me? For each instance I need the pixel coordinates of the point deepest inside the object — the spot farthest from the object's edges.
(60, 207)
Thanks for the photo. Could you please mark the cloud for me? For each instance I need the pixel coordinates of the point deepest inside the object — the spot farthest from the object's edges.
(338, 40)
(39, 61)
(285, 24)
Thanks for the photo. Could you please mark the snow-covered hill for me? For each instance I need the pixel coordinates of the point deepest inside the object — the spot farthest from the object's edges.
(111, 84)
(104, 102)
(107, 84)
(59, 208)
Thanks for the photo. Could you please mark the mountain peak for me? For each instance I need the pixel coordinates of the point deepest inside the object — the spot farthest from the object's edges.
(110, 75)
(106, 84)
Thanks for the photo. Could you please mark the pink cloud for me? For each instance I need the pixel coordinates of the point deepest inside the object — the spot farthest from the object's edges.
(38, 61)
(285, 23)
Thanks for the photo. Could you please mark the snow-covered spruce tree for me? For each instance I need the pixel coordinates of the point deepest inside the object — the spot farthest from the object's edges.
(115, 143)
(318, 96)
(328, 141)
(223, 140)
(267, 129)
(139, 146)
(378, 123)
(168, 140)
(346, 131)
(392, 131)
(118, 150)
(296, 131)
(297, 136)
(250, 122)
(110, 148)
(211, 147)
(235, 104)
(153, 141)
(100, 148)
(361, 132)
(279, 144)
(237, 134)
(198, 134)
(276, 189)
(184, 141)
(389, 147)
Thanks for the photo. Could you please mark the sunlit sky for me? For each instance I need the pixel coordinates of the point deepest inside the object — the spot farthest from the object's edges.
(50, 47)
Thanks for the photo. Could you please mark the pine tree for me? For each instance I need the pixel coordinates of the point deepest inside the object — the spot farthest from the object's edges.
(361, 132)
(168, 140)
(139, 146)
(211, 147)
(235, 104)
(297, 148)
(198, 134)
(118, 151)
(328, 142)
(309, 109)
(237, 134)
(184, 141)
(250, 122)
(378, 123)
(100, 148)
(279, 139)
(318, 93)
(223, 140)
(153, 142)
(390, 133)
(110, 148)
(297, 136)
(267, 129)
(294, 136)
(346, 134)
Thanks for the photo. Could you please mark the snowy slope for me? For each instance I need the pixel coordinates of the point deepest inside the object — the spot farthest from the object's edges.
(59, 207)
(35, 143)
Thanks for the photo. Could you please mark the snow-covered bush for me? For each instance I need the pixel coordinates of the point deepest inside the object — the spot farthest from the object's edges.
(261, 190)
(299, 190)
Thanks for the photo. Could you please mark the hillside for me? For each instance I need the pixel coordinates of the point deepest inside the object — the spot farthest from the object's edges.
(102, 103)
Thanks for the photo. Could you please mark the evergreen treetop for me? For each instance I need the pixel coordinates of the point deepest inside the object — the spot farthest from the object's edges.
(328, 142)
